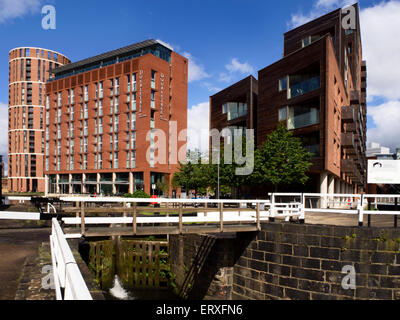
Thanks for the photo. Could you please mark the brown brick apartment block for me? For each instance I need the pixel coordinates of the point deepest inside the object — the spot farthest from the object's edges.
(318, 89)
(105, 115)
(29, 69)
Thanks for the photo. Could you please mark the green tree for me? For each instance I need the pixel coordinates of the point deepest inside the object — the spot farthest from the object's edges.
(192, 175)
(281, 160)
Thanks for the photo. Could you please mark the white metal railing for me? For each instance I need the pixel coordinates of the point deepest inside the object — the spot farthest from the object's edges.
(68, 280)
(13, 215)
(284, 205)
(259, 210)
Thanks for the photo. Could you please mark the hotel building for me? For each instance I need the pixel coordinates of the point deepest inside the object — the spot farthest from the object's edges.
(318, 89)
(114, 121)
(29, 68)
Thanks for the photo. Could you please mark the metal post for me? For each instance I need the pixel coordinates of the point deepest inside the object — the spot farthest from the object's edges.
(180, 219)
(258, 217)
(369, 216)
(395, 209)
(272, 208)
(360, 209)
(218, 179)
(221, 217)
(134, 219)
(302, 208)
(82, 217)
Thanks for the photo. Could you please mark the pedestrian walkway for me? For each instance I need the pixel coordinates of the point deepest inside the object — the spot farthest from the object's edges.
(16, 245)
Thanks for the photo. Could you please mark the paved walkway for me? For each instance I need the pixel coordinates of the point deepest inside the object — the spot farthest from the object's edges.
(16, 245)
(340, 219)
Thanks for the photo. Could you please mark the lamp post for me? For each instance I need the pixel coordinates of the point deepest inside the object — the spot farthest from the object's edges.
(217, 150)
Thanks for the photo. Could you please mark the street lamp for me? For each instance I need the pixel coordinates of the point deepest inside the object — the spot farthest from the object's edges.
(217, 150)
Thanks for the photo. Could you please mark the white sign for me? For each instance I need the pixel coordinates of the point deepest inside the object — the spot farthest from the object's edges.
(384, 171)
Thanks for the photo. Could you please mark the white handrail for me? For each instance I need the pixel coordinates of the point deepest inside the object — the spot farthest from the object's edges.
(65, 269)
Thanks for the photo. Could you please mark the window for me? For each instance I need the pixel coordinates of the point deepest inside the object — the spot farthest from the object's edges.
(282, 114)
(117, 86)
(101, 90)
(283, 83)
(153, 99)
(236, 110)
(224, 108)
(309, 39)
(134, 82)
(134, 101)
(128, 81)
(86, 93)
(153, 79)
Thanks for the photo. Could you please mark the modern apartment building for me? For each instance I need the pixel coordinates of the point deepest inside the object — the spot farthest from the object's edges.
(114, 121)
(29, 68)
(318, 89)
(235, 106)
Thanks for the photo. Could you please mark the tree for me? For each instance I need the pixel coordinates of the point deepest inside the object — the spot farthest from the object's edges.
(281, 160)
(193, 175)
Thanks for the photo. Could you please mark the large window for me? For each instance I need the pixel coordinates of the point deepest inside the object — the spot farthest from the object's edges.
(302, 84)
(299, 116)
(234, 110)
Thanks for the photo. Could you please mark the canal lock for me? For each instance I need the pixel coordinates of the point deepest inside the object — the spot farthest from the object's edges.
(139, 266)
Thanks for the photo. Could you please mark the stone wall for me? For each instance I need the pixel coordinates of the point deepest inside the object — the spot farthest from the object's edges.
(203, 265)
(291, 261)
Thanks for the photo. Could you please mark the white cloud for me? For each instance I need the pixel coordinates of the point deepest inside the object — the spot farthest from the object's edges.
(319, 8)
(11, 9)
(380, 27)
(233, 68)
(196, 71)
(199, 127)
(210, 87)
(236, 66)
(387, 118)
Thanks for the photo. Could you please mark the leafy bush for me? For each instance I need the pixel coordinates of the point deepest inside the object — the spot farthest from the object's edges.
(137, 194)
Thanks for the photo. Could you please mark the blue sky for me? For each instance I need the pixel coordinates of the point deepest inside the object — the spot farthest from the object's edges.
(225, 39)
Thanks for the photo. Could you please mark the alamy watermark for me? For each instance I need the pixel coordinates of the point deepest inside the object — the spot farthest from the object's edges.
(49, 18)
(349, 18)
(161, 152)
(48, 279)
(349, 280)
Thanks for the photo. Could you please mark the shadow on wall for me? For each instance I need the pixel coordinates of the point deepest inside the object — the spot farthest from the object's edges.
(207, 262)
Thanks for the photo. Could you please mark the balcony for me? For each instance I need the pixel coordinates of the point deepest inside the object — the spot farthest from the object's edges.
(303, 87)
(347, 140)
(301, 120)
(350, 127)
(347, 166)
(236, 110)
(355, 97)
(348, 114)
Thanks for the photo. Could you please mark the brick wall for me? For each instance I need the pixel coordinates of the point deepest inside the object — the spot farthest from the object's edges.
(290, 261)
(203, 266)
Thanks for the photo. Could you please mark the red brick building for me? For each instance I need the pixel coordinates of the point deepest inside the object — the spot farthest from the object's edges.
(318, 89)
(107, 117)
(29, 68)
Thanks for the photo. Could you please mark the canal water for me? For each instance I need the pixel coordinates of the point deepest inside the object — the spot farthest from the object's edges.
(132, 268)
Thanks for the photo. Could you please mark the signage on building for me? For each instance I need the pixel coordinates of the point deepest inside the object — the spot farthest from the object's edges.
(162, 92)
(140, 89)
(384, 171)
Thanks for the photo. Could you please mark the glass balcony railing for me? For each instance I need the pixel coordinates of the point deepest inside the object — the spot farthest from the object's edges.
(313, 149)
(304, 87)
(303, 120)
